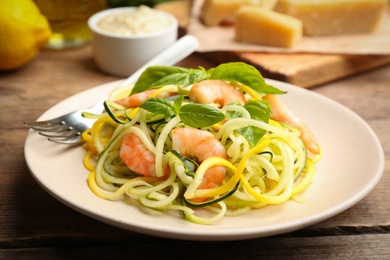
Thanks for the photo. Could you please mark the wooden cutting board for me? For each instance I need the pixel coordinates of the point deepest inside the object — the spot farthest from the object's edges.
(302, 69)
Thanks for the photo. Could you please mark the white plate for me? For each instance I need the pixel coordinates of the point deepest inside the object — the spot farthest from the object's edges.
(351, 166)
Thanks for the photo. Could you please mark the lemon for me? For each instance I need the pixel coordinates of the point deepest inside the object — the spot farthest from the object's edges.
(23, 31)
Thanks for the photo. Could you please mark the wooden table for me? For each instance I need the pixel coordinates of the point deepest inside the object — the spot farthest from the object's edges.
(33, 225)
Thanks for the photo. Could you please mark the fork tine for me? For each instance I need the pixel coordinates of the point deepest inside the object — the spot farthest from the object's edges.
(52, 128)
(32, 123)
(64, 134)
(72, 140)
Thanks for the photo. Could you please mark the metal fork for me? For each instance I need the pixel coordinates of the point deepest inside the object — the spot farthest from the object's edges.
(67, 129)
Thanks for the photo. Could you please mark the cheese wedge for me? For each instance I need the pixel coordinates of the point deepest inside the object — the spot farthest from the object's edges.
(266, 27)
(327, 17)
(215, 12)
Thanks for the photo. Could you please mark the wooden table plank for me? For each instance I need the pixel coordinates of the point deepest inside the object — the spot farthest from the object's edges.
(294, 248)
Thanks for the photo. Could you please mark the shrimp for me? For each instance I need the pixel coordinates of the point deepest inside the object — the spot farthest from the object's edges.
(202, 145)
(137, 156)
(138, 99)
(215, 91)
(280, 112)
(187, 141)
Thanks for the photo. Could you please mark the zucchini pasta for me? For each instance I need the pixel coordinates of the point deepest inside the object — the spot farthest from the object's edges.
(208, 143)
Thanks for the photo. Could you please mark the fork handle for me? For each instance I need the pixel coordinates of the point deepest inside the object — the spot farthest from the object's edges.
(170, 56)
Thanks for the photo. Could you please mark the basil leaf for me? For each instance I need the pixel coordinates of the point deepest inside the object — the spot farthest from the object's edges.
(199, 115)
(252, 134)
(259, 110)
(184, 79)
(177, 103)
(245, 74)
(159, 106)
(151, 75)
(155, 76)
(194, 115)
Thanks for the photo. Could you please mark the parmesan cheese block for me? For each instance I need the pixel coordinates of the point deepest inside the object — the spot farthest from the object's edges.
(266, 27)
(327, 17)
(215, 12)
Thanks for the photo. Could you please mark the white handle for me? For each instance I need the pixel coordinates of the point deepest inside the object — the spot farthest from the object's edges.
(170, 56)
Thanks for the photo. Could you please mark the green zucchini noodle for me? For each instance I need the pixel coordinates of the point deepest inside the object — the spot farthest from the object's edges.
(266, 161)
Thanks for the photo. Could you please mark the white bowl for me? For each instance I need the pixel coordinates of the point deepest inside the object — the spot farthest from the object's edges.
(123, 54)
